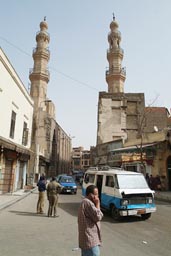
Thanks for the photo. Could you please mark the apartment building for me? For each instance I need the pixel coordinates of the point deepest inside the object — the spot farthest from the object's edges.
(16, 113)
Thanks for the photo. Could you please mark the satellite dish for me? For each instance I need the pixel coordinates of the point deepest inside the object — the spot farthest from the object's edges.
(156, 129)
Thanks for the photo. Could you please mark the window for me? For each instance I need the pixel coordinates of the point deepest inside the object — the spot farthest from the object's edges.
(12, 128)
(85, 162)
(89, 178)
(109, 181)
(25, 134)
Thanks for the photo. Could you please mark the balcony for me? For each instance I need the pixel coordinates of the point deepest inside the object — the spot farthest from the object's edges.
(39, 74)
(40, 50)
(114, 71)
(43, 72)
(115, 51)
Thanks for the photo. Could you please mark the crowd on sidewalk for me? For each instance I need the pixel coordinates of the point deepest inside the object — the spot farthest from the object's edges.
(157, 183)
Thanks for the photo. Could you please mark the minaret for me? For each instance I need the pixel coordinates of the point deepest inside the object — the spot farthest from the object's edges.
(115, 75)
(39, 75)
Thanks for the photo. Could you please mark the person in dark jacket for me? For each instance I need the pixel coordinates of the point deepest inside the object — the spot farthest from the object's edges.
(41, 200)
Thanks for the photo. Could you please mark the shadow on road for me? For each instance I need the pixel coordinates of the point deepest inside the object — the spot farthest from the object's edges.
(126, 219)
(29, 214)
(71, 208)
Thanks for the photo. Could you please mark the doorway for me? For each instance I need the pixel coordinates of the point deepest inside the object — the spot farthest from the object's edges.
(99, 184)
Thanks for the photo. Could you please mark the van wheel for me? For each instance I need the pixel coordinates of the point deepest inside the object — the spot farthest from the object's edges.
(145, 216)
(115, 213)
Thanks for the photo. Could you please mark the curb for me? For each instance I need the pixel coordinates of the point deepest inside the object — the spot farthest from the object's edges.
(163, 199)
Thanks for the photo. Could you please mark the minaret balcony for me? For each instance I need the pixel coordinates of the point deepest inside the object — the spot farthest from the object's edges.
(115, 71)
(41, 53)
(43, 32)
(42, 35)
(39, 74)
(115, 51)
(38, 50)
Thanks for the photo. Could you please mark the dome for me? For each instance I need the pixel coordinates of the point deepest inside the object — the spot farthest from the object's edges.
(114, 25)
(43, 25)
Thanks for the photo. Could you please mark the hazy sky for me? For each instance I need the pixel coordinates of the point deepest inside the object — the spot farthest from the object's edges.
(78, 43)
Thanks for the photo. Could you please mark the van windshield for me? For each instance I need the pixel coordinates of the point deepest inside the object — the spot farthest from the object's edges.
(132, 181)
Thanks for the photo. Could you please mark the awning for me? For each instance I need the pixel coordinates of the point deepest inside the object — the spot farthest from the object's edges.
(132, 148)
(7, 144)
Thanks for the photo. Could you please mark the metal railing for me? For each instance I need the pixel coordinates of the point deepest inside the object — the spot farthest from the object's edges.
(34, 71)
(111, 71)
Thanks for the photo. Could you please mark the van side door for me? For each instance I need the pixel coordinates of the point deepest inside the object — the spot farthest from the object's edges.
(99, 184)
(108, 190)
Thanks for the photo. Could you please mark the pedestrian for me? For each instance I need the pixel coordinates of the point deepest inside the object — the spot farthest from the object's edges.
(152, 182)
(41, 200)
(53, 190)
(158, 182)
(89, 216)
(147, 177)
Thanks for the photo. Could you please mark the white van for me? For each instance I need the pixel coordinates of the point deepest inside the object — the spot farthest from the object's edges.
(121, 192)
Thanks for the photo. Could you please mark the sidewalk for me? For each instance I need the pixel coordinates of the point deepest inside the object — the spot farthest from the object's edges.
(164, 196)
(9, 199)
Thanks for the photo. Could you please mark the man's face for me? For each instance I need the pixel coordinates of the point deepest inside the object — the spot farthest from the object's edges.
(94, 195)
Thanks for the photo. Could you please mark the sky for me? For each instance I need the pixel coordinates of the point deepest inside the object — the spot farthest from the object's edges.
(78, 44)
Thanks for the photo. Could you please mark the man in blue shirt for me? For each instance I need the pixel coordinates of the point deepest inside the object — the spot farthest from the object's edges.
(41, 187)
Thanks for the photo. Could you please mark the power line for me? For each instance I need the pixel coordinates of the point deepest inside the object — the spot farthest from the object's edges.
(52, 68)
(73, 79)
(19, 49)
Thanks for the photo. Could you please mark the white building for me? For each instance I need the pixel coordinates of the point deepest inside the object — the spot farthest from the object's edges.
(16, 114)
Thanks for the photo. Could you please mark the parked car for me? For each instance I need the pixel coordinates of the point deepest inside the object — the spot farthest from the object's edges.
(59, 176)
(78, 176)
(68, 184)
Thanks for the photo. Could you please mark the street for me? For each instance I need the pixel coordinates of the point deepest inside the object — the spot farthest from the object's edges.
(23, 232)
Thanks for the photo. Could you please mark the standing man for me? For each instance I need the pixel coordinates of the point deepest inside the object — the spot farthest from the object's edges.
(53, 190)
(89, 216)
(41, 200)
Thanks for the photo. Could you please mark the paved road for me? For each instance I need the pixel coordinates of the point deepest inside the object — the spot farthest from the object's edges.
(23, 232)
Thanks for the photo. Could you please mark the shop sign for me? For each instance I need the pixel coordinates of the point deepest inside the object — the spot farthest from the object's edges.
(133, 157)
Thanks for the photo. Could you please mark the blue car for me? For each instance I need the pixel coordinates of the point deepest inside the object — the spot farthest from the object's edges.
(68, 184)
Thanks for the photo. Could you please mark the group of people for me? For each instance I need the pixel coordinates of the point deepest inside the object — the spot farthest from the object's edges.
(52, 189)
(156, 182)
(89, 214)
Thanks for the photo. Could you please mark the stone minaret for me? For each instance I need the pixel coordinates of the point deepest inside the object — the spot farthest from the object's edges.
(119, 113)
(115, 75)
(44, 110)
(39, 75)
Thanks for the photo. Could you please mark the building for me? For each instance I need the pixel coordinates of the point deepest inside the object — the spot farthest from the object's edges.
(80, 159)
(156, 119)
(85, 159)
(129, 134)
(119, 113)
(16, 113)
(61, 152)
(50, 143)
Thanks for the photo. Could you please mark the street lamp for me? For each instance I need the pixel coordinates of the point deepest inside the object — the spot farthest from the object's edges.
(37, 136)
